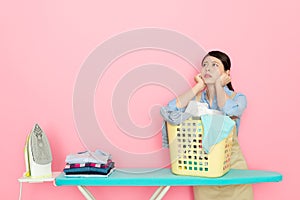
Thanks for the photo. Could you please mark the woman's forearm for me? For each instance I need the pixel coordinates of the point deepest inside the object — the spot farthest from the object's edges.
(221, 95)
(183, 100)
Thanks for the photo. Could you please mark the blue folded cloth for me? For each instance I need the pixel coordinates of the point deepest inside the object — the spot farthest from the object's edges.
(216, 128)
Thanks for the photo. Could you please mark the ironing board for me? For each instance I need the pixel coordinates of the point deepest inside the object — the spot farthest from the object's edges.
(165, 179)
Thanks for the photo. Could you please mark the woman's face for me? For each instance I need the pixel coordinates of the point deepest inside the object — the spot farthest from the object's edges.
(212, 69)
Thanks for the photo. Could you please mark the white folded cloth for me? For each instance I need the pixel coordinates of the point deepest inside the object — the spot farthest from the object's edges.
(88, 157)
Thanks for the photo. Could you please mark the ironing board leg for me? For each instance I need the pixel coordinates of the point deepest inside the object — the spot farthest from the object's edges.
(157, 195)
(86, 193)
(160, 193)
(157, 191)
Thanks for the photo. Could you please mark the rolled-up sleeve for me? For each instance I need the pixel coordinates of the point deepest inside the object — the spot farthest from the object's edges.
(172, 106)
(235, 106)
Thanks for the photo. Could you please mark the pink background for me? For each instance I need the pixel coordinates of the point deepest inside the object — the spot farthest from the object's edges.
(43, 44)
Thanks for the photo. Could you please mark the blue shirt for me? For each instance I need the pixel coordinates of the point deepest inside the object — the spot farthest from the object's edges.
(233, 106)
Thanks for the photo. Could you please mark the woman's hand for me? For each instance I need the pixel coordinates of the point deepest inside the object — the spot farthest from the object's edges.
(199, 80)
(224, 79)
(183, 100)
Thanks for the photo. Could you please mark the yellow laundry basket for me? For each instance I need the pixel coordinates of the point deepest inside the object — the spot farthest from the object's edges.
(187, 155)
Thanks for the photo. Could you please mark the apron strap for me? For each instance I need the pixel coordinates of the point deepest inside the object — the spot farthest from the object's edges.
(231, 97)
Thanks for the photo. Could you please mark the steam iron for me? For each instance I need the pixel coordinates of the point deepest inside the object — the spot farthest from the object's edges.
(38, 155)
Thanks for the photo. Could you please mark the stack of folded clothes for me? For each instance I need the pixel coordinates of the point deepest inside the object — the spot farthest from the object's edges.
(97, 163)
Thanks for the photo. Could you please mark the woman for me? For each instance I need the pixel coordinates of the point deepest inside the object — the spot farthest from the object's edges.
(214, 88)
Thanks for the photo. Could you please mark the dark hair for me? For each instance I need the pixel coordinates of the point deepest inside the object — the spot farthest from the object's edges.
(225, 61)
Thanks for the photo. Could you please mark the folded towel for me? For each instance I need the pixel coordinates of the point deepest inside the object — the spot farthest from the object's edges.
(197, 109)
(216, 128)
